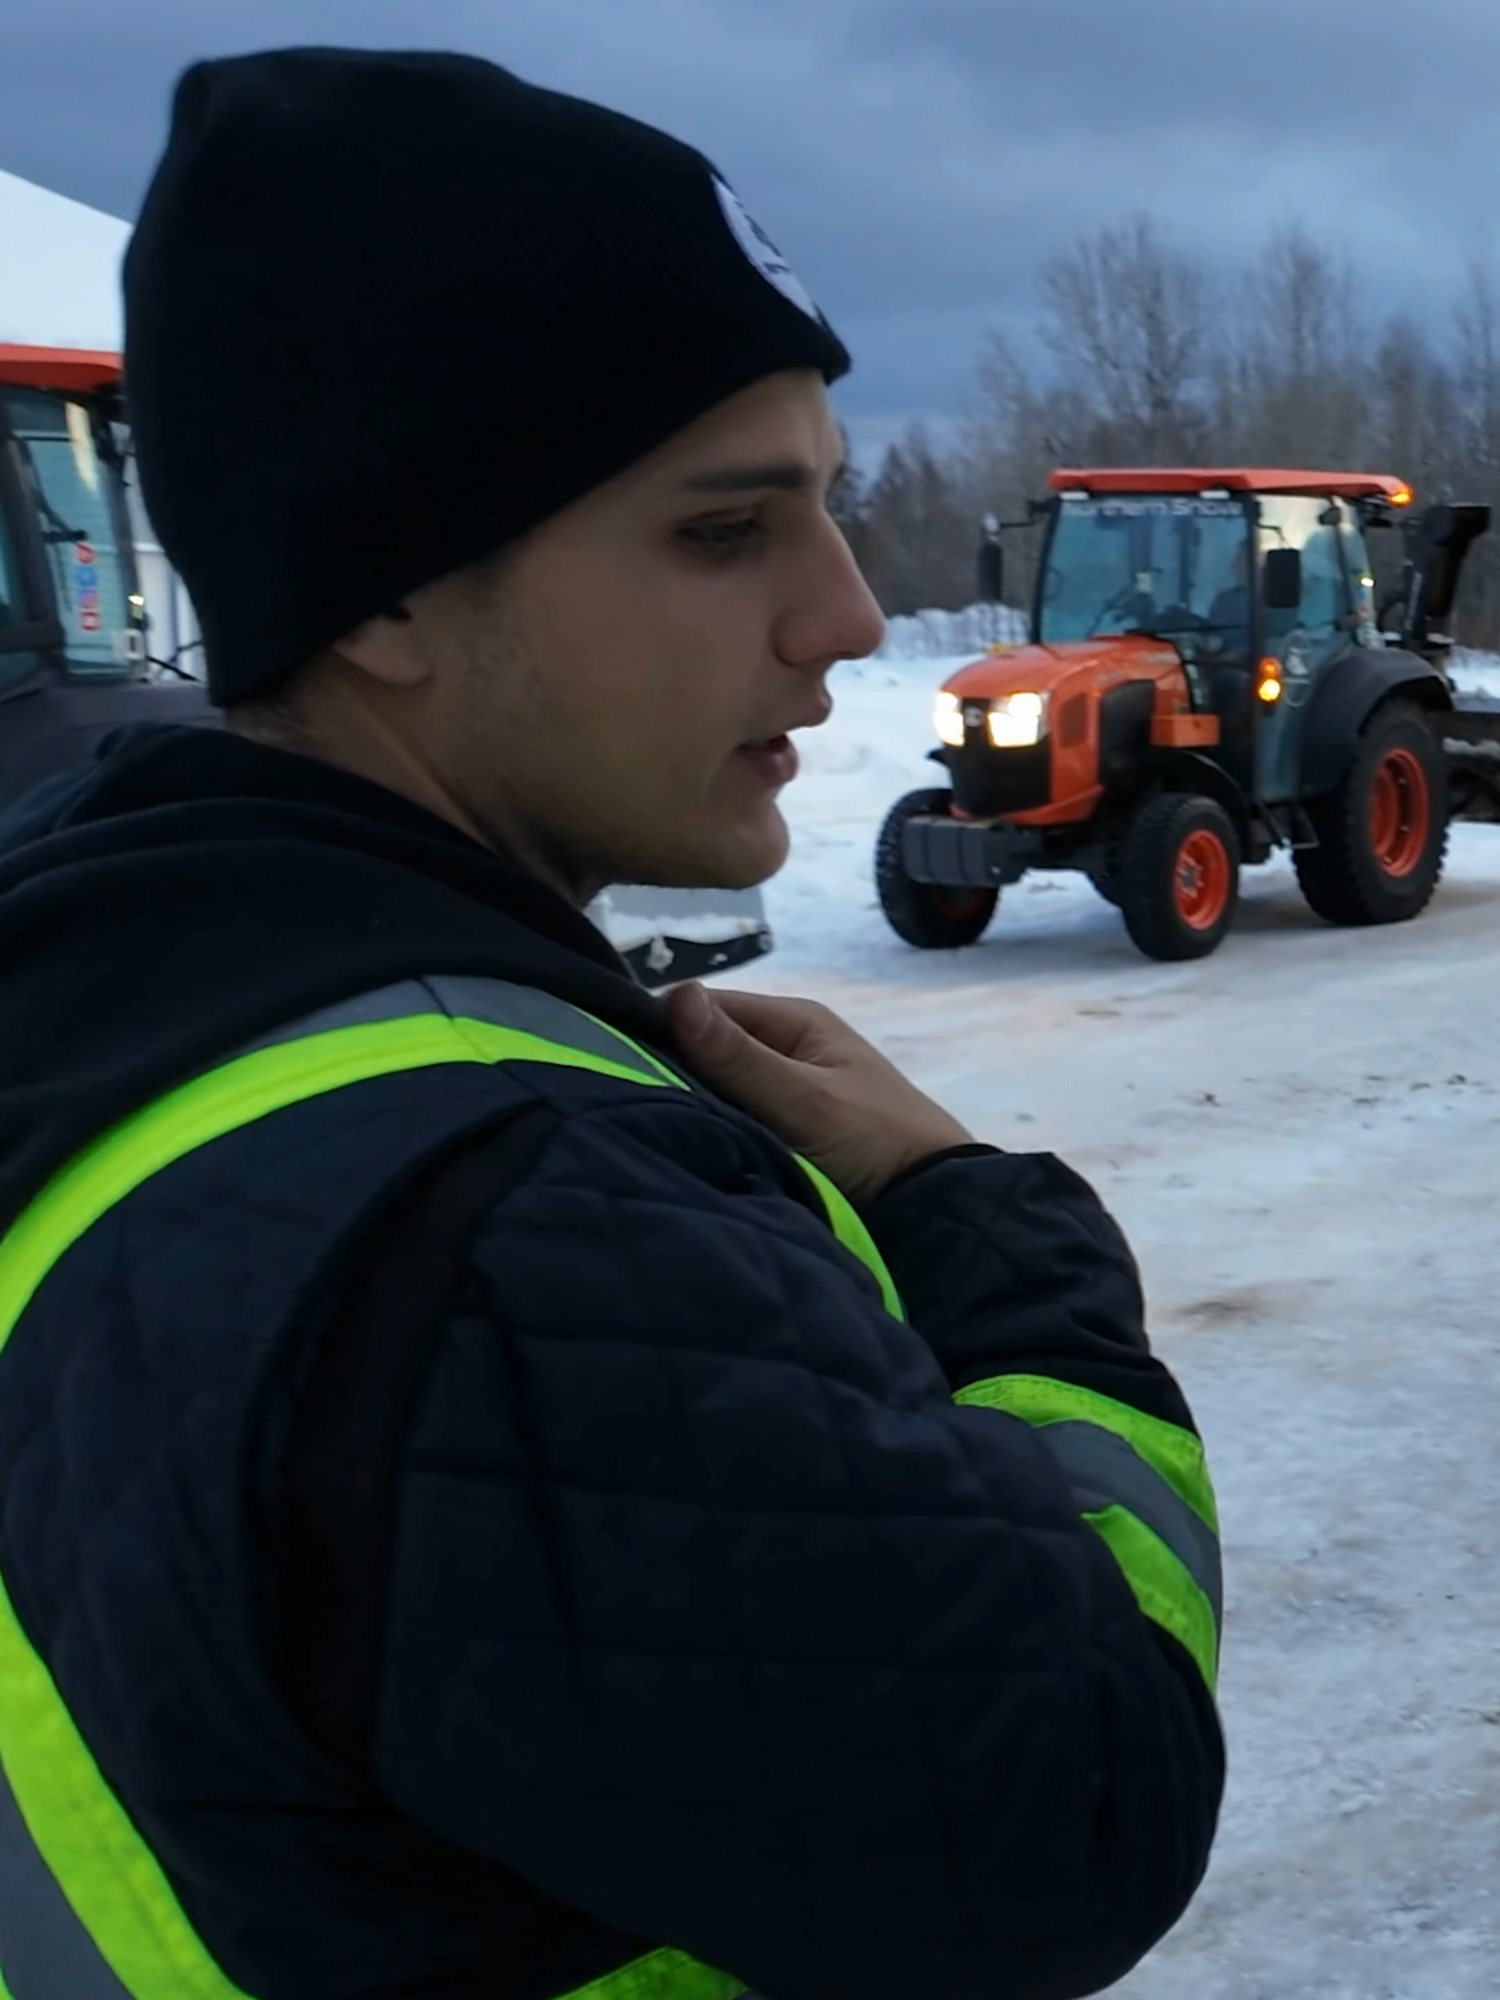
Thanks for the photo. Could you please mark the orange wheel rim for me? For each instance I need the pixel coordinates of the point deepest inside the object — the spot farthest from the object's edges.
(1400, 812)
(1200, 881)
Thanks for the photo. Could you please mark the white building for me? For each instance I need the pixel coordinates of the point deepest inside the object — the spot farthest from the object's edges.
(59, 270)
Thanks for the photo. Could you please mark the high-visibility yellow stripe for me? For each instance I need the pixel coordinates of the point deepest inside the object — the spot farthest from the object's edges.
(661, 1975)
(1174, 1454)
(1161, 1586)
(854, 1236)
(109, 1876)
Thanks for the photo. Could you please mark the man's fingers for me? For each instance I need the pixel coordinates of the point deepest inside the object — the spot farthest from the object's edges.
(724, 1052)
(793, 1028)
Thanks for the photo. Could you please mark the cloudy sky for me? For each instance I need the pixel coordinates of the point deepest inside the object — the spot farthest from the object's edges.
(916, 159)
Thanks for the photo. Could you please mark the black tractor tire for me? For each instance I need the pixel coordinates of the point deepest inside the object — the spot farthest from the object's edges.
(1179, 876)
(1382, 832)
(1107, 881)
(926, 914)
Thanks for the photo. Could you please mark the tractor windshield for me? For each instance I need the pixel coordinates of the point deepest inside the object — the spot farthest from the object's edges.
(1171, 564)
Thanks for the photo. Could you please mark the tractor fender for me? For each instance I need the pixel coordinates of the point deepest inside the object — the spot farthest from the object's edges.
(1345, 699)
(1190, 771)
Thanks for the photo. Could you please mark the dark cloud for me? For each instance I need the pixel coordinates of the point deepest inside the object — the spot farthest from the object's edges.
(1281, 65)
(916, 159)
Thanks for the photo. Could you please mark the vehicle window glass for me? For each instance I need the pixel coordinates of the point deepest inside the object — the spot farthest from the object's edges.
(1292, 521)
(15, 664)
(1171, 564)
(78, 524)
(12, 611)
(1361, 576)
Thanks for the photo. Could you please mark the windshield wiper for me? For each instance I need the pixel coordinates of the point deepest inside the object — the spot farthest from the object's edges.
(57, 530)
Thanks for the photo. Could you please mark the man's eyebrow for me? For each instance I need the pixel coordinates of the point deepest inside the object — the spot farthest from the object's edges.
(779, 476)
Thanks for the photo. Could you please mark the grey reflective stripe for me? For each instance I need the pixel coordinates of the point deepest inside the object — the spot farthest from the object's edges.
(496, 1001)
(45, 1953)
(1105, 1471)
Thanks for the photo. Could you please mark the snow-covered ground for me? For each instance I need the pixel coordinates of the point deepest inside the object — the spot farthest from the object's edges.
(1301, 1136)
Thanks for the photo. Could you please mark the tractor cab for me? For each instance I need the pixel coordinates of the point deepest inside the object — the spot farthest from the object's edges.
(1206, 678)
(1258, 580)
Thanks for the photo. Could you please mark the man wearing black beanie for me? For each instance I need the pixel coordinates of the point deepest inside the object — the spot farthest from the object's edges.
(513, 1490)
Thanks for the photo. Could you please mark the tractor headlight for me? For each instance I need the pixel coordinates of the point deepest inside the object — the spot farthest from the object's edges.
(1016, 721)
(948, 720)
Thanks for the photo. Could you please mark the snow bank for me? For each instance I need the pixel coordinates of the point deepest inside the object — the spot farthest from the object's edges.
(1477, 674)
(929, 635)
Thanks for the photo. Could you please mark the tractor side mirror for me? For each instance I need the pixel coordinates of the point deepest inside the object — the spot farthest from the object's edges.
(991, 570)
(1281, 583)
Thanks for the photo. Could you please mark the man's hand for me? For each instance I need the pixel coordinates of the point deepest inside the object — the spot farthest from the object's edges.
(816, 1084)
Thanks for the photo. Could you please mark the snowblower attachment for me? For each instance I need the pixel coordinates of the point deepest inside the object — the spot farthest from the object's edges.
(1437, 545)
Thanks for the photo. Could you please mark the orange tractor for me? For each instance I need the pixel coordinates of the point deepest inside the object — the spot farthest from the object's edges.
(1207, 682)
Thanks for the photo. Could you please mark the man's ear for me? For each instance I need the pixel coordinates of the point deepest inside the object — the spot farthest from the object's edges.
(388, 648)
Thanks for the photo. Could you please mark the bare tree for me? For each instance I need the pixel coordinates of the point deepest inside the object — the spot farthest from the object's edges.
(849, 504)
(1303, 351)
(1016, 434)
(1476, 368)
(1476, 325)
(920, 539)
(1307, 303)
(1130, 316)
(1412, 407)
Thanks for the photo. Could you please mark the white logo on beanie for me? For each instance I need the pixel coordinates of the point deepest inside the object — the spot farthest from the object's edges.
(761, 251)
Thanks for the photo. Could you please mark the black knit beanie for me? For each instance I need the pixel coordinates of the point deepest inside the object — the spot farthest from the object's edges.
(387, 312)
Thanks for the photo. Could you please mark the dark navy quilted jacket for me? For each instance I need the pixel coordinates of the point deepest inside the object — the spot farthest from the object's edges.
(705, 1616)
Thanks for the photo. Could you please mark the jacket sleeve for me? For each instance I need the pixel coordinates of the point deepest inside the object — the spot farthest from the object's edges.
(714, 1615)
(1008, 1263)
(1027, 1293)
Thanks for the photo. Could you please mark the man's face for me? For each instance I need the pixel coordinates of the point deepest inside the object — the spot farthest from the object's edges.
(612, 699)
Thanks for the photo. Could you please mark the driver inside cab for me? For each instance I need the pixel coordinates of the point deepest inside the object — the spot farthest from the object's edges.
(1228, 637)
